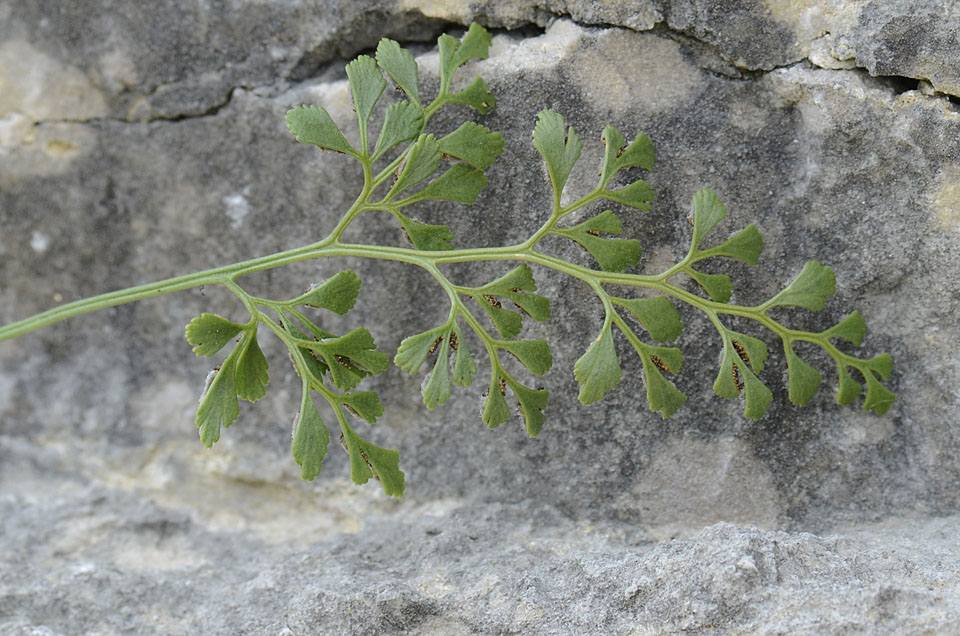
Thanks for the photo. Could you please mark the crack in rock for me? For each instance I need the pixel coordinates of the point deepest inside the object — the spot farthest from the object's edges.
(416, 26)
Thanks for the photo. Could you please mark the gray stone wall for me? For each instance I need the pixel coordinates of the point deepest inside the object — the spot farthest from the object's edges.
(144, 140)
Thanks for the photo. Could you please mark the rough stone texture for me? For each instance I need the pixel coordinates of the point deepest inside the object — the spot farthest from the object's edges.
(140, 141)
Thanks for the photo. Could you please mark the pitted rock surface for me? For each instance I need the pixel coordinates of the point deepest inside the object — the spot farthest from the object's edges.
(139, 142)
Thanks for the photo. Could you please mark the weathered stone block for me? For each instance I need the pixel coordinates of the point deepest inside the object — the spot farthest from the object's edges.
(141, 141)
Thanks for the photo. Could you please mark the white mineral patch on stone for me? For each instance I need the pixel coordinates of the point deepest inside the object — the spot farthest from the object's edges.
(463, 10)
(607, 68)
(612, 74)
(809, 19)
(508, 56)
(164, 402)
(946, 205)
(15, 129)
(39, 242)
(41, 88)
(117, 70)
(691, 484)
(831, 52)
(137, 554)
(43, 150)
(237, 208)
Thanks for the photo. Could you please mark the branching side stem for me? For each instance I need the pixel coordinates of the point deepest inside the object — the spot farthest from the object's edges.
(331, 247)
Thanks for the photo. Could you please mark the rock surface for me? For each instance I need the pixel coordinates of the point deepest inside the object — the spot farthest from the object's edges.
(141, 141)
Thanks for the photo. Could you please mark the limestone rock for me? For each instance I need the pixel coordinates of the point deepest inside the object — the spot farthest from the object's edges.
(140, 141)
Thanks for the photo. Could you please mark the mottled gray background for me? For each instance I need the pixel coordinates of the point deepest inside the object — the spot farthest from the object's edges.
(143, 140)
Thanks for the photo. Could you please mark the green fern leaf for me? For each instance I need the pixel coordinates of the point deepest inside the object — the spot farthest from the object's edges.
(613, 255)
(351, 358)
(707, 212)
(803, 380)
(437, 388)
(218, 404)
(617, 155)
(252, 367)
(310, 438)
(717, 286)
(811, 289)
(496, 411)
(425, 236)
(209, 333)
(598, 369)
(637, 195)
(366, 86)
(532, 404)
(453, 54)
(464, 367)
(459, 183)
(560, 148)
(414, 350)
(662, 396)
(476, 95)
(312, 125)
(658, 316)
(364, 404)
(403, 121)
(422, 161)
(474, 144)
(399, 64)
(746, 245)
(852, 329)
(368, 460)
(533, 354)
(337, 294)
